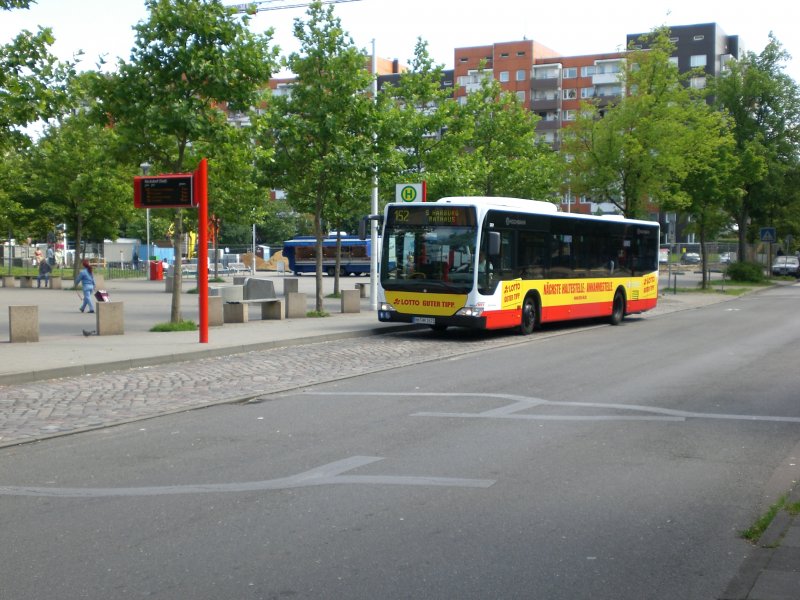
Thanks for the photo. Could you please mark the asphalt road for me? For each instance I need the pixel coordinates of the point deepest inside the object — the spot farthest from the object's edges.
(590, 462)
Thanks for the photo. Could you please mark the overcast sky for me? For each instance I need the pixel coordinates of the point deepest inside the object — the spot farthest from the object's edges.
(103, 27)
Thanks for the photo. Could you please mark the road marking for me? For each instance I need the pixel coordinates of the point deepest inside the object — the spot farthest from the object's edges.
(520, 403)
(330, 474)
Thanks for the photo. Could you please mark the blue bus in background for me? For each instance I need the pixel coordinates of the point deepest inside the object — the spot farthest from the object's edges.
(301, 254)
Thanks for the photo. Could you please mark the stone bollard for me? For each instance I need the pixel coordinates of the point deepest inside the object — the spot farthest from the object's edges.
(215, 314)
(23, 323)
(9, 281)
(168, 286)
(55, 282)
(110, 318)
(26, 281)
(295, 305)
(351, 301)
(290, 286)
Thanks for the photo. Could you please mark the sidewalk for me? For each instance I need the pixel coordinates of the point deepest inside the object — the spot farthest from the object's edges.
(63, 350)
(771, 571)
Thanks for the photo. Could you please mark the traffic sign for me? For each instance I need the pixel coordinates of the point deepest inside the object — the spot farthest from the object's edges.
(768, 235)
(410, 192)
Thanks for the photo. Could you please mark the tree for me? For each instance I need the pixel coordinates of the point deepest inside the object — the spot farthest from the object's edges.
(32, 88)
(415, 114)
(500, 152)
(638, 149)
(323, 130)
(78, 181)
(191, 59)
(764, 104)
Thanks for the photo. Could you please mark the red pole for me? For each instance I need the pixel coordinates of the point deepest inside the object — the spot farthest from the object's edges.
(202, 252)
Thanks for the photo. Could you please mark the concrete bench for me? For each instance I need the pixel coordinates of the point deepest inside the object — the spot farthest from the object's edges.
(255, 291)
(363, 289)
(238, 268)
(26, 281)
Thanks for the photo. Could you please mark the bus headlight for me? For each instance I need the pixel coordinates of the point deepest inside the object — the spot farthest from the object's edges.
(470, 311)
(385, 306)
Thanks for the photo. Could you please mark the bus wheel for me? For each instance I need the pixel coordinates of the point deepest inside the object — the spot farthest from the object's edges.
(528, 322)
(618, 308)
(331, 271)
(439, 328)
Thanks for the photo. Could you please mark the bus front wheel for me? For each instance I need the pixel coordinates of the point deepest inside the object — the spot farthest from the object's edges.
(618, 308)
(528, 322)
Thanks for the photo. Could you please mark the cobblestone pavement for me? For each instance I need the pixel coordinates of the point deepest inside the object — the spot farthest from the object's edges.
(54, 407)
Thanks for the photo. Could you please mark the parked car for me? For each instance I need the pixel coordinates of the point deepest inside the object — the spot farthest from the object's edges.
(727, 258)
(786, 265)
(690, 258)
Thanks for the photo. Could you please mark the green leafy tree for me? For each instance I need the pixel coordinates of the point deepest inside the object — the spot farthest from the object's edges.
(639, 149)
(78, 181)
(191, 59)
(493, 150)
(32, 88)
(323, 130)
(415, 115)
(764, 104)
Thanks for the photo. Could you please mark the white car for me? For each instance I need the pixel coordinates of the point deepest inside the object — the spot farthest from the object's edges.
(786, 265)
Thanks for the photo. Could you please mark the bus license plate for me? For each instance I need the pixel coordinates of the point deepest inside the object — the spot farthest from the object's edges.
(424, 320)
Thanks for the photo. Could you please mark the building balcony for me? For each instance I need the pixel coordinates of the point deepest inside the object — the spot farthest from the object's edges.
(548, 125)
(553, 83)
(545, 104)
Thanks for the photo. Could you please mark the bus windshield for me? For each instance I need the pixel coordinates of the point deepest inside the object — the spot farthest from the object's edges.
(431, 247)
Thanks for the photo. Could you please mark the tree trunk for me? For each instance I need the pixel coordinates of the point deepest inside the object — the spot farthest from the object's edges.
(177, 238)
(318, 233)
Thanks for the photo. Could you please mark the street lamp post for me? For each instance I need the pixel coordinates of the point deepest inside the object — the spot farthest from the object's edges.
(145, 166)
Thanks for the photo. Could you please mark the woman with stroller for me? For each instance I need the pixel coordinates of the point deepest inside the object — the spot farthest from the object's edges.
(86, 279)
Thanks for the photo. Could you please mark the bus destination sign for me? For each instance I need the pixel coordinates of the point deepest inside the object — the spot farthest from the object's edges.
(429, 215)
(164, 191)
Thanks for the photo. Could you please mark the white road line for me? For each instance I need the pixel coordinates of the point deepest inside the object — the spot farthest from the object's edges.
(330, 474)
(520, 403)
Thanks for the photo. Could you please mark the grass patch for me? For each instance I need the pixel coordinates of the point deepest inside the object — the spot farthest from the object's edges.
(334, 295)
(793, 509)
(757, 529)
(318, 314)
(179, 326)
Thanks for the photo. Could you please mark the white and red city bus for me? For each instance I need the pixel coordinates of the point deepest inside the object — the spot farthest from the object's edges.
(494, 263)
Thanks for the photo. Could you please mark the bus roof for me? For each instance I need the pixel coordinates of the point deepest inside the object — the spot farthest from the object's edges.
(529, 206)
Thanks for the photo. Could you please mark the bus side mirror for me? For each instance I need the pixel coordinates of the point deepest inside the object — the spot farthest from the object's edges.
(494, 244)
(363, 228)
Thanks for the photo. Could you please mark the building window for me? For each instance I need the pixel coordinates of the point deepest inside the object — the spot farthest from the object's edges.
(545, 73)
(569, 115)
(504, 55)
(674, 40)
(697, 83)
(587, 92)
(503, 76)
(520, 74)
(699, 38)
(698, 60)
(570, 94)
(673, 60)
(570, 72)
(463, 59)
(520, 52)
(521, 96)
(588, 71)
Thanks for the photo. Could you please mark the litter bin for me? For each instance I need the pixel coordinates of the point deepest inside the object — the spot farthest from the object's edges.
(156, 270)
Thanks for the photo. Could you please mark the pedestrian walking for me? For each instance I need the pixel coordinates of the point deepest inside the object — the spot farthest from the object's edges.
(86, 279)
(44, 273)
